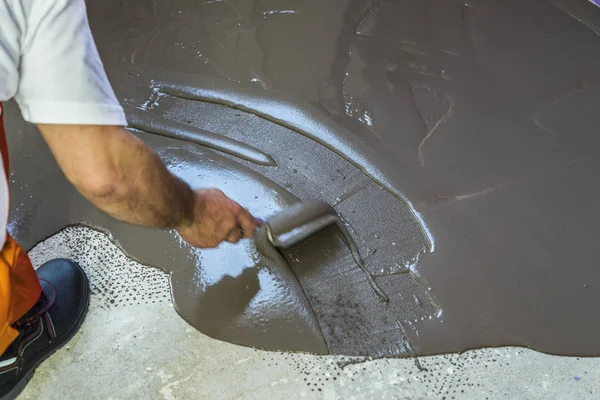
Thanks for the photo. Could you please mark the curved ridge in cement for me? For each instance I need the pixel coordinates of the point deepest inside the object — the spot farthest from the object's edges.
(291, 113)
(156, 124)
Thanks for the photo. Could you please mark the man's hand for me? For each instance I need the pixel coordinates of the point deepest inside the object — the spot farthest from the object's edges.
(216, 218)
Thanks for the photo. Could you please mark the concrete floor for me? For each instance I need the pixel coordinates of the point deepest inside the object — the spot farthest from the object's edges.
(133, 345)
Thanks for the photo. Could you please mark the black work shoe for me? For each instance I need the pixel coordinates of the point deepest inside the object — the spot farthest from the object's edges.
(48, 326)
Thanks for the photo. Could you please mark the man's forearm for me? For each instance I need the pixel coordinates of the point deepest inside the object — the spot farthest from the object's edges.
(119, 174)
(145, 192)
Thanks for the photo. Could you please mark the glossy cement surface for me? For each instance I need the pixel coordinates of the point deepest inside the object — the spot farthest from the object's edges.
(457, 140)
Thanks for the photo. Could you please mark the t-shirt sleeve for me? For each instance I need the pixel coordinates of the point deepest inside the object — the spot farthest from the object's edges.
(61, 77)
(9, 51)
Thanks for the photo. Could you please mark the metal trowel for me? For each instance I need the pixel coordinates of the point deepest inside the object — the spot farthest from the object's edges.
(302, 219)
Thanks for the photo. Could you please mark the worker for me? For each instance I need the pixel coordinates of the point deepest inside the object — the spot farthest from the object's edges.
(49, 64)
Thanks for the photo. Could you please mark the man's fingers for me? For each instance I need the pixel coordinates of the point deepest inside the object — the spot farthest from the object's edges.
(229, 230)
(247, 223)
(234, 236)
(221, 219)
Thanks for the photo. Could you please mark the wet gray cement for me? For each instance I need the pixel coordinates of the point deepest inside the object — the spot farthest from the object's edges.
(456, 139)
(302, 220)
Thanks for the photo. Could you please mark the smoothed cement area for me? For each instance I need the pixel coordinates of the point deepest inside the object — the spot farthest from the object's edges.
(456, 139)
(132, 327)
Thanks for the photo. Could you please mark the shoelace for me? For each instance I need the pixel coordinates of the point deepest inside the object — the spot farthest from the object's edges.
(44, 303)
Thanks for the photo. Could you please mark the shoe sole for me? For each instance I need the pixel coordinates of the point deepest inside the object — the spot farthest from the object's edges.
(27, 377)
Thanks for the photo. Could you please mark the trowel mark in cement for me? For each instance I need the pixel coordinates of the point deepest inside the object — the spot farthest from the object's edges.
(301, 220)
(428, 102)
(356, 91)
(368, 17)
(145, 121)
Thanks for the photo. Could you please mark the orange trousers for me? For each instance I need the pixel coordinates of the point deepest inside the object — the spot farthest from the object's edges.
(19, 286)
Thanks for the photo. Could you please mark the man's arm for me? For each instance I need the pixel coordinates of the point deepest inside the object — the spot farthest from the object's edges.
(49, 63)
(119, 174)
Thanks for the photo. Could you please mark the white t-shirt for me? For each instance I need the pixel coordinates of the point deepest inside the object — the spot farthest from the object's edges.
(50, 65)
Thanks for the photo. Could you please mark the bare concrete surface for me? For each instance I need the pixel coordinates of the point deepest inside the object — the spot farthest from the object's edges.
(133, 345)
